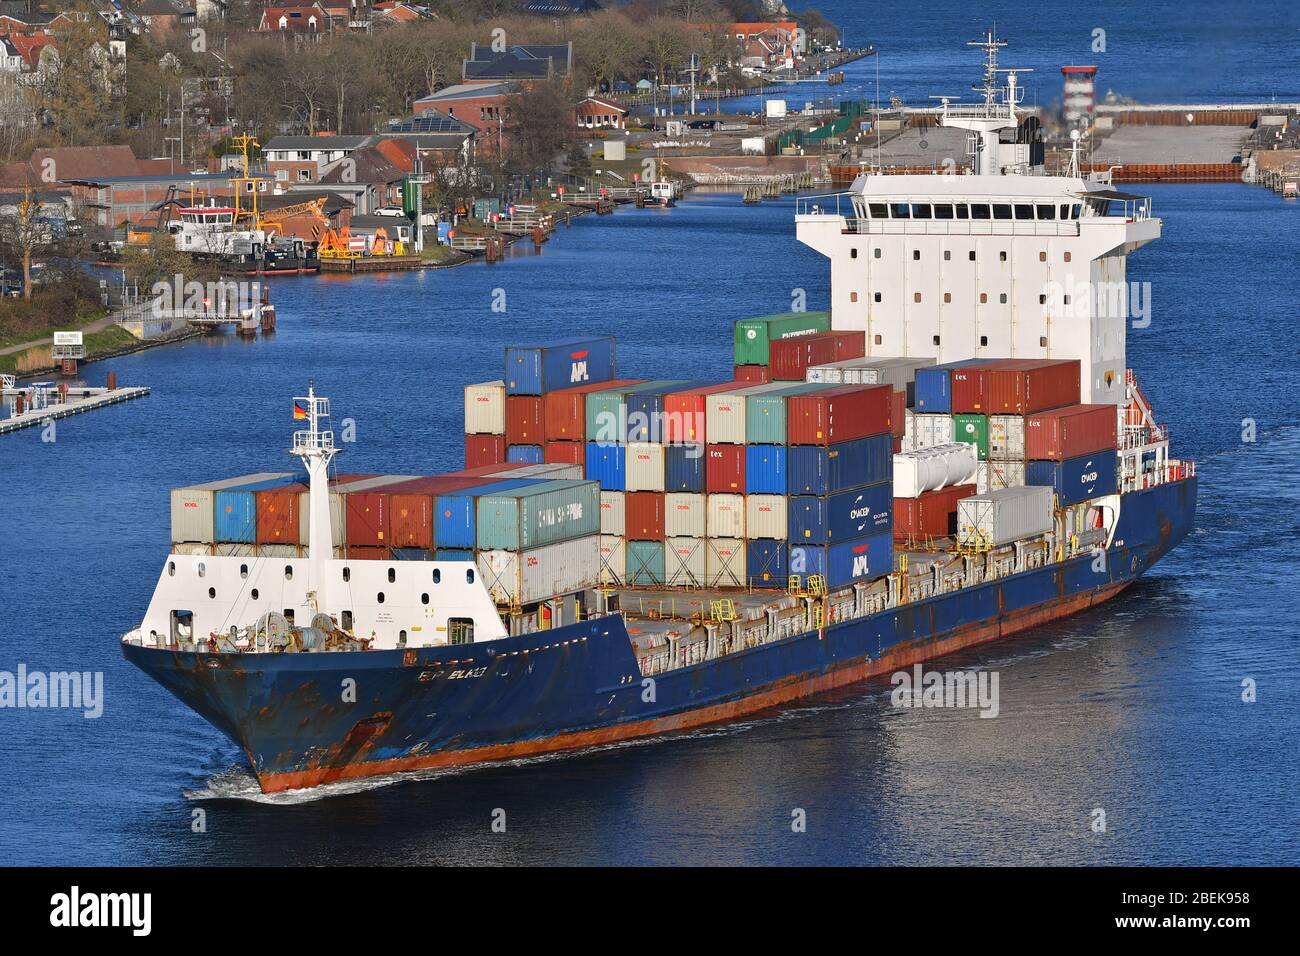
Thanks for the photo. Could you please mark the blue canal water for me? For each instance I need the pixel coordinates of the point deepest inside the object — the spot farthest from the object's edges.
(1134, 708)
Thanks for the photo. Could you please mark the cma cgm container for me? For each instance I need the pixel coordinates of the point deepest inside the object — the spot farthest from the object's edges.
(933, 514)
(564, 412)
(933, 388)
(644, 515)
(481, 450)
(1025, 386)
(753, 337)
(765, 469)
(684, 468)
(765, 563)
(455, 513)
(724, 469)
(525, 454)
(606, 463)
(826, 469)
(1070, 432)
(686, 413)
(1076, 479)
(995, 518)
(538, 369)
(539, 574)
(520, 519)
(485, 408)
(859, 559)
(838, 414)
(791, 358)
(849, 514)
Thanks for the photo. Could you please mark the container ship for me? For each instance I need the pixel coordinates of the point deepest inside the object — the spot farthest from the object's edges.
(955, 452)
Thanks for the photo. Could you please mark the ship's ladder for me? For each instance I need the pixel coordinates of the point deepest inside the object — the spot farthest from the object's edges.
(723, 610)
(817, 585)
(794, 585)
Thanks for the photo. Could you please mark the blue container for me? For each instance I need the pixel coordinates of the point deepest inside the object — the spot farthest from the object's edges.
(411, 554)
(861, 559)
(1076, 479)
(454, 522)
(841, 517)
(606, 464)
(684, 468)
(645, 410)
(234, 510)
(527, 454)
(645, 563)
(765, 563)
(765, 469)
(933, 392)
(542, 368)
(453, 554)
(825, 470)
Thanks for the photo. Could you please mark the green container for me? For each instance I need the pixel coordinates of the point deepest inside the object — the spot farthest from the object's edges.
(530, 517)
(410, 196)
(972, 430)
(765, 418)
(752, 336)
(645, 563)
(609, 407)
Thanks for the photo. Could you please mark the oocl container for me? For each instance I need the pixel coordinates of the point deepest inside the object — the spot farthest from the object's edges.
(485, 408)
(826, 469)
(933, 389)
(838, 414)
(537, 369)
(613, 514)
(842, 516)
(686, 413)
(684, 468)
(726, 516)
(685, 515)
(645, 467)
(564, 412)
(995, 518)
(1024, 386)
(684, 562)
(765, 516)
(524, 420)
(1003, 474)
(765, 469)
(859, 559)
(724, 563)
(539, 574)
(1007, 437)
(644, 515)
(1070, 432)
(972, 430)
(613, 559)
(916, 472)
(753, 337)
(520, 519)
(932, 514)
(645, 563)
(725, 412)
(765, 563)
(1076, 479)
(606, 464)
(724, 470)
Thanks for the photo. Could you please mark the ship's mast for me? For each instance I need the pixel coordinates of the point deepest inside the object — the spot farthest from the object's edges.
(987, 120)
(315, 447)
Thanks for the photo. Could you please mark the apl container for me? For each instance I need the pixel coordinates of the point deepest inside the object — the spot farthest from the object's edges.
(724, 470)
(972, 430)
(840, 517)
(933, 389)
(932, 515)
(826, 469)
(765, 563)
(684, 468)
(645, 467)
(645, 563)
(564, 412)
(537, 369)
(685, 515)
(765, 516)
(539, 574)
(520, 519)
(995, 518)
(839, 413)
(927, 469)
(765, 469)
(725, 516)
(859, 559)
(1076, 479)
(1070, 432)
(485, 408)
(606, 464)
(684, 562)
(613, 513)
(455, 514)
(644, 511)
(753, 336)
(724, 563)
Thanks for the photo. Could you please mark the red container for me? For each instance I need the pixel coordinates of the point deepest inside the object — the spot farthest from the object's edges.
(1052, 436)
(643, 512)
(849, 345)
(564, 412)
(685, 412)
(410, 507)
(481, 450)
(724, 469)
(838, 414)
(366, 521)
(368, 554)
(565, 453)
(753, 374)
(933, 514)
(970, 388)
(898, 415)
(524, 420)
(1025, 386)
(789, 358)
(277, 515)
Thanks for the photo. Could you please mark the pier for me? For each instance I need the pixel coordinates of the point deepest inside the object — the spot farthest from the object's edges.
(34, 404)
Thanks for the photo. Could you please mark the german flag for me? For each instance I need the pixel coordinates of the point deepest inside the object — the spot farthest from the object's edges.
(299, 412)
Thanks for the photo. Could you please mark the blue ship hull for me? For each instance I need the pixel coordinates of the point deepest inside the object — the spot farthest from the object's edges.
(580, 685)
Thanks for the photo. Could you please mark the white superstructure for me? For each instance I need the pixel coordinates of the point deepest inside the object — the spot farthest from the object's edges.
(1003, 262)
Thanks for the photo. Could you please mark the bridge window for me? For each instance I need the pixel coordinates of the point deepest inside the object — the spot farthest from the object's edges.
(916, 297)
(972, 255)
(1076, 211)
(877, 296)
(947, 255)
(963, 211)
(288, 572)
(943, 210)
(877, 252)
(401, 638)
(1067, 257)
(1003, 298)
(1042, 341)
(424, 598)
(212, 593)
(1024, 211)
(171, 568)
(980, 210)
(345, 620)
(1042, 257)
(921, 210)
(1003, 255)
(460, 630)
(936, 340)
(347, 574)
(1002, 210)
(878, 210)
(902, 210)
(984, 340)
(853, 297)
(947, 297)
(984, 298)
(1047, 211)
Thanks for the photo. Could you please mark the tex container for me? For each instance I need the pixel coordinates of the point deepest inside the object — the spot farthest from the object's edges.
(933, 388)
(1070, 432)
(933, 514)
(646, 410)
(1025, 386)
(1076, 479)
(765, 413)
(234, 510)
(684, 562)
(481, 450)
(766, 516)
(972, 430)
(765, 563)
(753, 337)
(613, 512)
(538, 369)
(455, 513)
(524, 420)
(366, 510)
(526, 454)
(686, 413)
(644, 468)
(823, 519)
(485, 408)
(842, 564)
(725, 412)
(995, 518)
(684, 468)
(839, 413)
(827, 469)
(791, 358)
(765, 469)
(606, 409)
(606, 464)
(193, 507)
(645, 563)
(1007, 437)
(644, 515)
(724, 563)
(520, 519)
(725, 516)
(540, 574)
(685, 515)
(724, 469)
(564, 412)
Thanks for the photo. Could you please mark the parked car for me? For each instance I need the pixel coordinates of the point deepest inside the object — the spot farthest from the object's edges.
(703, 124)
